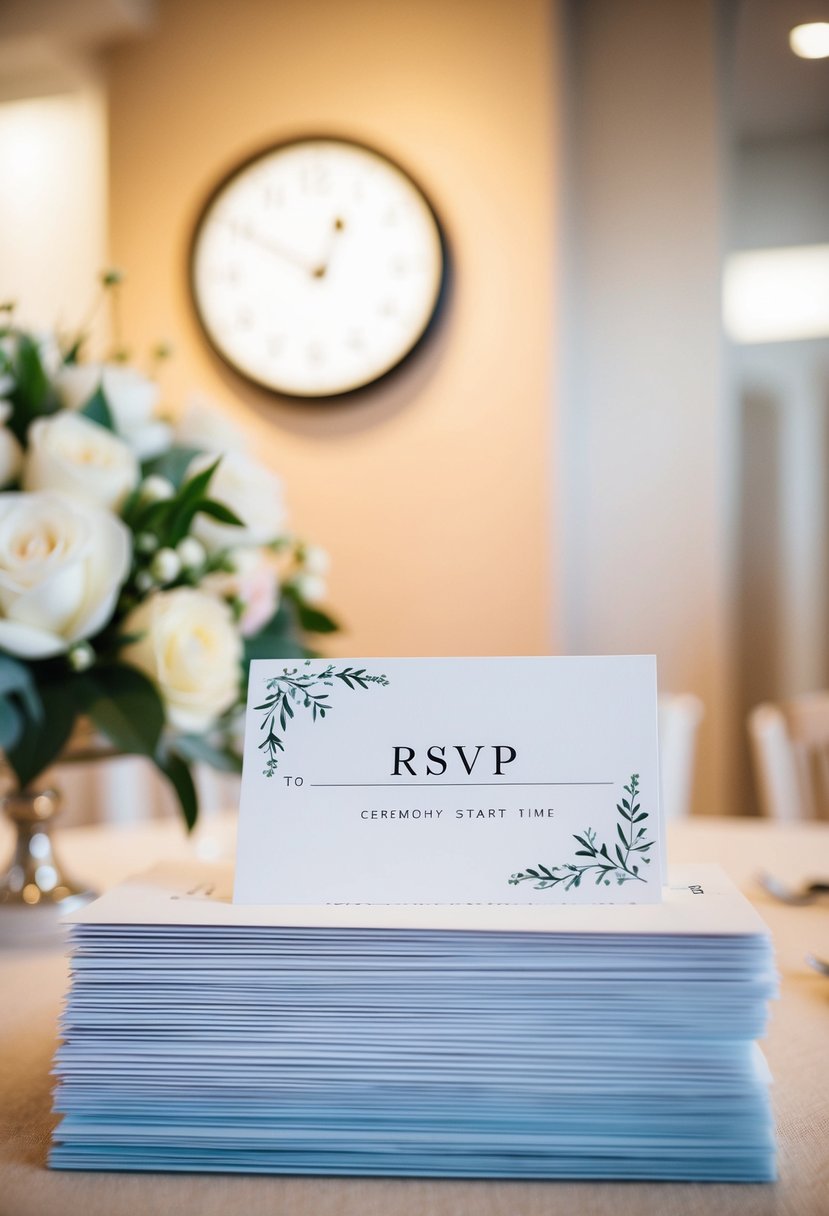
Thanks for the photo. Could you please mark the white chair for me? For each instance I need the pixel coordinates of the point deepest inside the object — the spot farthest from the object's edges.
(790, 753)
(679, 717)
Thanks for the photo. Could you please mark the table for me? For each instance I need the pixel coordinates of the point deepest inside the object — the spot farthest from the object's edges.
(33, 980)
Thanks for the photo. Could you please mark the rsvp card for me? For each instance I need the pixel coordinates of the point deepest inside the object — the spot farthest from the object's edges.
(450, 781)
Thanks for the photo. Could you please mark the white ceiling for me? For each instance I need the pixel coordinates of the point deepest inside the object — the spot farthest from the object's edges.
(776, 94)
(46, 45)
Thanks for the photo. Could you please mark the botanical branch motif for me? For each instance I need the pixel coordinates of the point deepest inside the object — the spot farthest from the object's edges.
(296, 689)
(619, 864)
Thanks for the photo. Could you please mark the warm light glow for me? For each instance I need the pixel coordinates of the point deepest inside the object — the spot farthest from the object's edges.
(777, 295)
(810, 41)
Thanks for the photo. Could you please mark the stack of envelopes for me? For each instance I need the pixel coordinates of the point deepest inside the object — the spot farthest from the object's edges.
(469, 1041)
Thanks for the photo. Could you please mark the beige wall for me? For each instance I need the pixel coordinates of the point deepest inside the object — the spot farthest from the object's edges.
(432, 492)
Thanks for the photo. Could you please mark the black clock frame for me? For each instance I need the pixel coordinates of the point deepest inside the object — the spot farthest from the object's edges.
(419, 343)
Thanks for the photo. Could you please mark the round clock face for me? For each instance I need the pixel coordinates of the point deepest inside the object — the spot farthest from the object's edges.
(316, 267)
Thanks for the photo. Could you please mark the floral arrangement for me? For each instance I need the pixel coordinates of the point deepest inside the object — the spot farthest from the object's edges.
(142, 565)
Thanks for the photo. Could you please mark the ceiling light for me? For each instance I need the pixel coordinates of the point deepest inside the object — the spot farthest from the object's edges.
(810, 41)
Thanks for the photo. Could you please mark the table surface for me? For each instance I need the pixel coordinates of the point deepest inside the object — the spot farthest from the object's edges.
(33, 981)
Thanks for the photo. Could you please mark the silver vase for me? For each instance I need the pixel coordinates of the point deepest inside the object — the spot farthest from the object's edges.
(35, 877)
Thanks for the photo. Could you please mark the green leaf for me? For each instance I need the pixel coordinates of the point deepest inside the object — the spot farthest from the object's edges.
(279, 639)
(32, 396)
(72, 356)
(16, 677)
(11, 723)
(196, 486)
(172, 464)
(151, 516)
(43, 740)
(313, 620)
(622, 836)
(32, 380)
(126, 707)
(195, 748)
(97, 410)
(177, 772)
(187, 502)
(218, 511)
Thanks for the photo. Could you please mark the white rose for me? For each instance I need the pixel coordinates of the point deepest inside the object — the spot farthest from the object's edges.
(132, 398)
(311, 587)
(191, 650)
(316, 560)
(62, 563)
(206, 427)
(70, 454)
(251, 491)
(48, 349)
(11, 453)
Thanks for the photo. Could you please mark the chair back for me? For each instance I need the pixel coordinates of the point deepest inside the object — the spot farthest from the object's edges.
(679, 718)
(790, 754)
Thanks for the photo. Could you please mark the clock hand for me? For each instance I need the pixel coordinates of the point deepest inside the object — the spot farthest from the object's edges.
(287, 255)
(338, 226)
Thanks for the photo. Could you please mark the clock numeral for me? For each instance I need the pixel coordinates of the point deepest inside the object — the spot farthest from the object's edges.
(399, 266)
(274, 196)
(388, 308)
(315, 179)
(244, 319)
(226, 274)
(276, 345)
(355, 340)
(315, 354)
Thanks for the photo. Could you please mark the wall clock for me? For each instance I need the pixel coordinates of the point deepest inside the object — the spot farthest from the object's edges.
(317, 267)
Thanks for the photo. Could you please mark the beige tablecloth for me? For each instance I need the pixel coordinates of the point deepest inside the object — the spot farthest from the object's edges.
(32, 982)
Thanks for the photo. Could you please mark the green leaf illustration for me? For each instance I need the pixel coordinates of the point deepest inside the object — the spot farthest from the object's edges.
(600, 862)
(298, 688)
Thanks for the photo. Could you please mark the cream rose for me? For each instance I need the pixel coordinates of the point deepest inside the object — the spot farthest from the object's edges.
(132, 398)
(251, 491)
(190, 648)
(11, 453)
(70, 454)
(62, 563)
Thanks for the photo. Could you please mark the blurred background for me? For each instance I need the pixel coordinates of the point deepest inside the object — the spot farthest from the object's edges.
(616, 438)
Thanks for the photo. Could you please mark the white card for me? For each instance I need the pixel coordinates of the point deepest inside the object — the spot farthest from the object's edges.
(450, 781)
